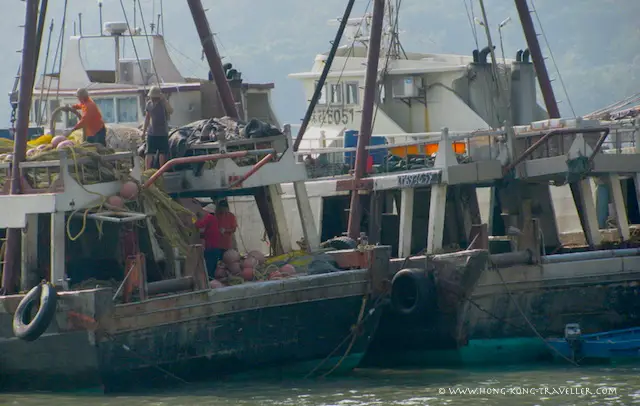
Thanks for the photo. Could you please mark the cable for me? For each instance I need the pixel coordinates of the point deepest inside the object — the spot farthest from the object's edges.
(471, 24)
(344, 66)
(64, 19)
(135, 49)
(553, 59)
(146, 37)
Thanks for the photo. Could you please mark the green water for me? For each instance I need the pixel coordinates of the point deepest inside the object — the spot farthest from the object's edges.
(547, 385)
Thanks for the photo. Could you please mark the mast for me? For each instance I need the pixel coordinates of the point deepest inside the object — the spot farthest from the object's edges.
(323, 77)
(27, 78)
(538, 60)
(213, 57)
(502, 97)
(368, 103)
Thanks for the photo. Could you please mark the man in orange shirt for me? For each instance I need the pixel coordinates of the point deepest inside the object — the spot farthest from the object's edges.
(91, 121)
(227, 225)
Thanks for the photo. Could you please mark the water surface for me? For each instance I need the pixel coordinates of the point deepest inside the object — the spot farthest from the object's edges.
(500, 387)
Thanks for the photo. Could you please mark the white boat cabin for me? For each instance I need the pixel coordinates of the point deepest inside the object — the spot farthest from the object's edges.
(120, 92)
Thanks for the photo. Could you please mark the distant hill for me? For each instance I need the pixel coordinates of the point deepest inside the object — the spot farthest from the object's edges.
(596, 43)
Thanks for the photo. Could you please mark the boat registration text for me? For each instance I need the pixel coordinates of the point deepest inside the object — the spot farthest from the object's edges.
(333, 116)
(418, 179)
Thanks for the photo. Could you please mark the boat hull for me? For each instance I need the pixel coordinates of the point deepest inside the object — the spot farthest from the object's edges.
(508, 325)
(231, 330)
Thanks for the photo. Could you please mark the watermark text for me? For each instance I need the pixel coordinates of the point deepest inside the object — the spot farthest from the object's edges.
(528, 390)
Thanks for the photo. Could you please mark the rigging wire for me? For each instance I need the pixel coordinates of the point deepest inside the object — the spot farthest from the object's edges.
(40, 112)
(55, 58)
(62, 30)
(135, 49)
(471, 23)
(146, 37)
(187, 57)
(385, 69)
(553, 59)
(344, 65)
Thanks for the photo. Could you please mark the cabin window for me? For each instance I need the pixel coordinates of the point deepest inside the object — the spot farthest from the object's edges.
(127, 109)
(336, 93)
(351, 92)
(107, 109)
(323, 94)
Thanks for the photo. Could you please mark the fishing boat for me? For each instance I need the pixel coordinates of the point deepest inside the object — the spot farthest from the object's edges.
(121, 92)
(616, 345)
(442, 139)
(160, 325)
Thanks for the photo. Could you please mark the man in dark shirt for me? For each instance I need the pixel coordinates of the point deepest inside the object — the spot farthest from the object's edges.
(156, 121)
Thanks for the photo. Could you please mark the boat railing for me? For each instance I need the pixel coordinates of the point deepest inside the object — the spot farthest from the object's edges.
(85, 169)
(549, 138)
(400, 152)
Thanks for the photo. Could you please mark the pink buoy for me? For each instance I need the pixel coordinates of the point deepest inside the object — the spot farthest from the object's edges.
(8, 157)
(248, 274)
(231, 256)
(57, 140)
(259, 256)
(115, 201)
(41, 147)
(221, 272)
(129, 190)
(215, 284)
(65, 144)
(287, 270)
(234, 268)
(249, 262)
(31, 152)
(275, 275)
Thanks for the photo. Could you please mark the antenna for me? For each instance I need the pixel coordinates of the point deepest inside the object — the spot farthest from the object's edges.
(80, 23)
(100, 13)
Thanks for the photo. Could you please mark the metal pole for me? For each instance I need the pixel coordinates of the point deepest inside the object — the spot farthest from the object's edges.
(323, 77)
(538, 60)
(213, 57)
(368, 103)
(39, 31)
(502, 97)
(100, 12)
(29, 47)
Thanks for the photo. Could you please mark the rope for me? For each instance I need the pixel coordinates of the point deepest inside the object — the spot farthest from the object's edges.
(526, 319)
(352, 335)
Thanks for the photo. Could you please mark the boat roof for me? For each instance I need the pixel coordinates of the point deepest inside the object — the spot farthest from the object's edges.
(349, 61)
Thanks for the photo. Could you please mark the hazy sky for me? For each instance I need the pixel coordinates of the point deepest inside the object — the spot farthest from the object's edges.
(268, 39)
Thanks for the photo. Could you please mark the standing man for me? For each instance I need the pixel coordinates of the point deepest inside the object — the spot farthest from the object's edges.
(210, 232)
(156, 121)
(227, 225)
(91, 121)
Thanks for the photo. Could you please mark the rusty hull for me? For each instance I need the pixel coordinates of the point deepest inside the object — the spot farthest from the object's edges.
(202, 334)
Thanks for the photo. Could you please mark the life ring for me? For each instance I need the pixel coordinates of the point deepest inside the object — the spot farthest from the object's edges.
(413, 292)
(26, 328)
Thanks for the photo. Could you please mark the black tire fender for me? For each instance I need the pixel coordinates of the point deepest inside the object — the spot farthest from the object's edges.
(412, 292)
(29, 329)
(340, 243)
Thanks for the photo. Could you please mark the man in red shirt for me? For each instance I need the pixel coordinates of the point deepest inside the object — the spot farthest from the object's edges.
(227, 225)
(210, 232)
